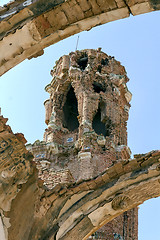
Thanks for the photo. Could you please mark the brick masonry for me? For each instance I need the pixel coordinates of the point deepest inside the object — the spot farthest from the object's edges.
(86, 115)
(69, 209)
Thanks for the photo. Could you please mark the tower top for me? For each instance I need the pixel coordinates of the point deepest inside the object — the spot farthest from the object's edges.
(92, 75)
(86, 117)
(88, 61)
(89, 104)
(86, 114)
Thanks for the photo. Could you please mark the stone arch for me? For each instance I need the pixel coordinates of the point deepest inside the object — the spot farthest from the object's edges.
(72, 211)
(87, 206)
(43, 25)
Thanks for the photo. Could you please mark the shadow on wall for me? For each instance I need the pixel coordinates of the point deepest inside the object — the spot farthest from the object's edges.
(70, 111)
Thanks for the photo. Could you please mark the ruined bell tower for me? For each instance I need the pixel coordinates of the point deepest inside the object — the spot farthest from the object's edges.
(86, 117)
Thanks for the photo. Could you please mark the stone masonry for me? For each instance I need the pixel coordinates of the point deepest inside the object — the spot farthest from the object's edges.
(86, 117)
(27, 27)
(70, 210)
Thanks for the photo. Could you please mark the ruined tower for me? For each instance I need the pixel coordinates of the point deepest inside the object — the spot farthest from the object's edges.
(86, 117)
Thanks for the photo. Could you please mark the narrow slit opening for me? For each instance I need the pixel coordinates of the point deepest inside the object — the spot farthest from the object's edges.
(70, 111)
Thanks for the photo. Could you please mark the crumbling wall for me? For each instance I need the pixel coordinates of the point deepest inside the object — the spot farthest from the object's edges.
(87, 115)
(90, 133)
(73, 210)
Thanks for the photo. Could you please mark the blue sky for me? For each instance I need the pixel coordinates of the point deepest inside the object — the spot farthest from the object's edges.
(135, 43)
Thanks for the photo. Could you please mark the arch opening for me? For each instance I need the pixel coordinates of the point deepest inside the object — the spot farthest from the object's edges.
(97, 87)
(70, 111)
(101, 124)
(82, 61)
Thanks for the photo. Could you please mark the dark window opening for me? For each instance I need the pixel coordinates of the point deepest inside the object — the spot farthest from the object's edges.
(104, 62)
(99, 69)
(70, 111)
(98, 87)
(98, 126)
(104, 148)
(82, 62)
(101, 127)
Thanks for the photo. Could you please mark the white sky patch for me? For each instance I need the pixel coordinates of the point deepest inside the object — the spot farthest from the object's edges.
(2, 2)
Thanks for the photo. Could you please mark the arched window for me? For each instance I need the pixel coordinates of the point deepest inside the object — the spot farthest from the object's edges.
(70, 111)
(101, 123)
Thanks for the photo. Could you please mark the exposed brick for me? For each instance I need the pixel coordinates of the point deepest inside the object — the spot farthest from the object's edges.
(80, 148)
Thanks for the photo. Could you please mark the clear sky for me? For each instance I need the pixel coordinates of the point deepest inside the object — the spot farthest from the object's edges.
(134, 42)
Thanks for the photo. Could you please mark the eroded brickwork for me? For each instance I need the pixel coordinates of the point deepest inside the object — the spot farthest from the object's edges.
(124, 227)
(86, 115)
(70, 211)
